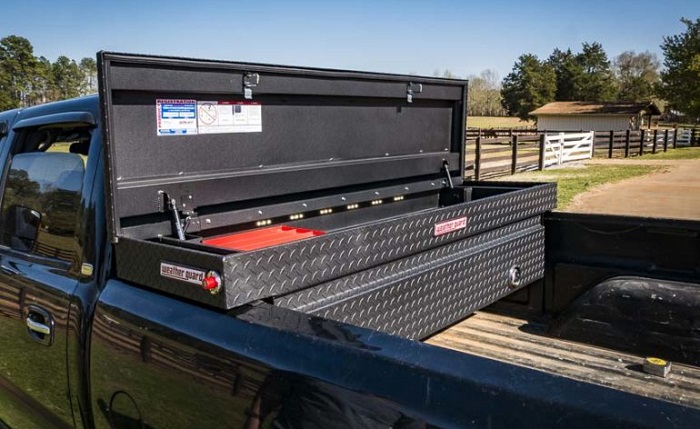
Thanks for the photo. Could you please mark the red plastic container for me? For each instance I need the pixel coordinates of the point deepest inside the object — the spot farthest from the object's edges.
(261, 238)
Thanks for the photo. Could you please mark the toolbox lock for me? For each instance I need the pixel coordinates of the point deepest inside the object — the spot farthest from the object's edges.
(212, 282)
(515, 276)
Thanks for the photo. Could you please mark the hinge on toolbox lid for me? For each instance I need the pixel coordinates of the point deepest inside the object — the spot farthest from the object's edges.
(250, 81)
(413, 88)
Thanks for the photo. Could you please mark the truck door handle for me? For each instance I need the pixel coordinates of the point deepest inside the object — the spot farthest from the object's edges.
(40, 325)
(37, 327)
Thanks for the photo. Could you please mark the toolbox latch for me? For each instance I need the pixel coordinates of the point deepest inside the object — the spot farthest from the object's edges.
(413, 88)
(250, 81)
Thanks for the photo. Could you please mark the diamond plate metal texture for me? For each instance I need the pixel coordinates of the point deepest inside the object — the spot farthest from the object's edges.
(295, 266)
(422, 294)
(317, 297)
(138, 261)
(283, 269)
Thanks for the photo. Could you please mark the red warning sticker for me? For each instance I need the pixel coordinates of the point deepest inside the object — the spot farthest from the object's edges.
(450, 226)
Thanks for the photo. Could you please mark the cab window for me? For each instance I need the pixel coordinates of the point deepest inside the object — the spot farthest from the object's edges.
(41, 201)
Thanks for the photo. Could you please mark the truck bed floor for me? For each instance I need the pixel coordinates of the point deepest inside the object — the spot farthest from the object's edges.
(525, 343)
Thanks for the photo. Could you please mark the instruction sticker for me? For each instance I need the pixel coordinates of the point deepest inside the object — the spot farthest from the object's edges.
(215, 117)
(176, 117)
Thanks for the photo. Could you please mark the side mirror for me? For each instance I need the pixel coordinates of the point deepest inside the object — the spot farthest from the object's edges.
(24, 224)
(3, 129)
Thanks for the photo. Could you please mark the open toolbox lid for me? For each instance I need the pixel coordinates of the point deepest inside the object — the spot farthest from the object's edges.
(208, 133)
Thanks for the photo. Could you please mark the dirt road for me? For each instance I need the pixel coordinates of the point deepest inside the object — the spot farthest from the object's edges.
(673, 193)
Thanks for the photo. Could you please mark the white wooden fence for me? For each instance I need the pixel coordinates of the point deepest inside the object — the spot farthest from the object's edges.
(565, 147)
(684, 137)
(497, 156)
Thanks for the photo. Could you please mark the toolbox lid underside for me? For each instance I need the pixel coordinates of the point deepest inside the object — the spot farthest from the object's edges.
(208, 133)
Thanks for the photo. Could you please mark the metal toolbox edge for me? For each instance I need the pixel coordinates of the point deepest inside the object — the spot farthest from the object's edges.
(280, 270)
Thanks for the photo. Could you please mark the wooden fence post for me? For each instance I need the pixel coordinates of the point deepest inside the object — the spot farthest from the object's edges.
(665, 140)
(641, 143)
(542, 148)
(627, 143)
(477, 157)
(653, 147)
(692, 137)
(610, 146)
(675, 138)
(514, 161)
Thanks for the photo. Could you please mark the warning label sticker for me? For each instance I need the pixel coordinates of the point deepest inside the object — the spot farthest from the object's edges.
(176, 117)
(229, 117)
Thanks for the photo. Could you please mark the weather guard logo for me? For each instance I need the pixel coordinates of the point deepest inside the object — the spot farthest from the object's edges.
(450, 226)
(184, 274)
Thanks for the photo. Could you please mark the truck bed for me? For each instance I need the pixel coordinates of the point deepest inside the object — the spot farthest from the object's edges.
(525, 343)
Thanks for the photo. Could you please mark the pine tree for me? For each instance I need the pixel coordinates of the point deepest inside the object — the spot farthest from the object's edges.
(528, 86)
(679, 81)
(597, 82)
(17, 68)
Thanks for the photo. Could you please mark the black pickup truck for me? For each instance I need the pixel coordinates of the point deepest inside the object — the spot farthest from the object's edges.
(213, 244)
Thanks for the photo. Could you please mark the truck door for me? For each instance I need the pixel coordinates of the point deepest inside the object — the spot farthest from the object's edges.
(40, 266)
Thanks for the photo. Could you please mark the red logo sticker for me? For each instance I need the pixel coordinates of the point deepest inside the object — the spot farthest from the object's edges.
(450, 226)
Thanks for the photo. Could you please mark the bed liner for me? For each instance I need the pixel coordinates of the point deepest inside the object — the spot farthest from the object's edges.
(525, 343)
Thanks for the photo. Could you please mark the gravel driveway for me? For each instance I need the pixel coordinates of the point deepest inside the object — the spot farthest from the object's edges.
(673, 193)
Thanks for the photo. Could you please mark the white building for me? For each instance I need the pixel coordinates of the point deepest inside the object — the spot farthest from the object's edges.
(589, 116)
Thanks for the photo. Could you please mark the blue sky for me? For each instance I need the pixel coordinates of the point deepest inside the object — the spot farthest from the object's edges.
(387, 36)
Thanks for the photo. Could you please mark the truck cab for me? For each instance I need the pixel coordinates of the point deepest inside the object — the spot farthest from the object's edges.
(47, 253)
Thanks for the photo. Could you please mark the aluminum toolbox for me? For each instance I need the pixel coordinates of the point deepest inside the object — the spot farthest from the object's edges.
(419, 295)
(347, 175)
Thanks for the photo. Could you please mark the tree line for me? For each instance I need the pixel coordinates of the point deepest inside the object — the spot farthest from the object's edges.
(589, 75)
(484, 96)
(27, 80)
(565, 76)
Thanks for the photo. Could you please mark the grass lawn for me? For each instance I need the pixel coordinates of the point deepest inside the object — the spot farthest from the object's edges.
(671, 154)
(497, 122)
(573, 181)
(680, 153)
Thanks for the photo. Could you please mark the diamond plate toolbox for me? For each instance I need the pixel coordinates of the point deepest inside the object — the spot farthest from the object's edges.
(419, 295)
(281, 270)
(230, 183)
